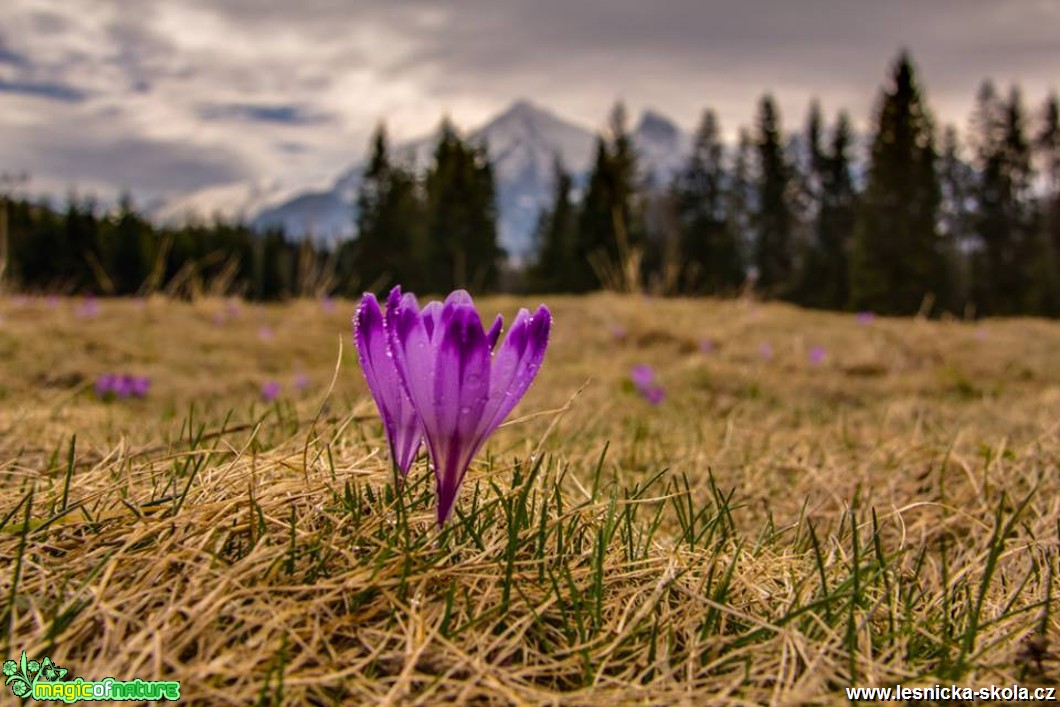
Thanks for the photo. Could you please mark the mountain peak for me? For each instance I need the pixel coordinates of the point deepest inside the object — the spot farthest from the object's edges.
(523, 112)
(657, 126)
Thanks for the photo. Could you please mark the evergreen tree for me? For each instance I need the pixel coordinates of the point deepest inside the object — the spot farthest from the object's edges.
(388, 247)
(827, 268)
(740, 195)
(129, 255)
(551, 271)
(774, 221)
(709, 246)
(1004, 217)
(1046, 278)
(896, 260)
(77, 260)
(956, 229)
(610, 235)
(461, 217)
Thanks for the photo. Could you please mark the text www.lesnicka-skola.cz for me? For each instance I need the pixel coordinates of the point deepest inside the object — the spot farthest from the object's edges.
(1009, 693)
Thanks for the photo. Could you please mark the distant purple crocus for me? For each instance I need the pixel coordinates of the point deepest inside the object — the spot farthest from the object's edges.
(232, 308)
(89, 307)
(328, 304)
(123, 386)
(270, 390)
(706, 346)
(301, 382)
(817, 355)
(265, 333)
(110, 385)
(219, 318)
(105, 384)
(461, 390)
(765, 351)
(52, 301)
(865, 318)
(643, 377)
(655, 395)
(140, 386)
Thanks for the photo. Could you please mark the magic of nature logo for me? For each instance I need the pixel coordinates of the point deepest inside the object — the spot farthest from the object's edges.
(44, 680)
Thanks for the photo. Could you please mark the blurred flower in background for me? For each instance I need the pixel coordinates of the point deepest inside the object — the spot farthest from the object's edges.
(270, 390)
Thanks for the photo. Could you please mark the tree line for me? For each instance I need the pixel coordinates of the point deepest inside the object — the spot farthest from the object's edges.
(916, 220)
(916, 226)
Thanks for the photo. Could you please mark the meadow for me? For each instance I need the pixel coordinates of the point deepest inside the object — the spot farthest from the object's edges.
(818, 501)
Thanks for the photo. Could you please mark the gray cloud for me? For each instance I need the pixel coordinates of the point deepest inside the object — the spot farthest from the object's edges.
(12, 58)
(43, 89)
(148, 168)
(177, 78)
(284, 114)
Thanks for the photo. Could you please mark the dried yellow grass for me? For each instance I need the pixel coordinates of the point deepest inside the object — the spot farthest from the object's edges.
(258, 553)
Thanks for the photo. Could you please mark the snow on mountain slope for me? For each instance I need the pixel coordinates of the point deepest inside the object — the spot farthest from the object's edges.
(240, 201)
(522, 142)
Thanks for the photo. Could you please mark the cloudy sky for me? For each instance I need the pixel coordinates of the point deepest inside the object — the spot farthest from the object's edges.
(163, 97)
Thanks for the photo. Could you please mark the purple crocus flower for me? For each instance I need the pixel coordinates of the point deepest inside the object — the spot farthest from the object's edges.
(123, 386)
(89, 308)
(301, 382)
(105, 384)
(139, 386)
(706, 346)
(460, 388)
(52, 301)
(643, 377)
(264, 333)
(866, 318)
(270, 390)
(765, 351)
(817, 355)
(328, 304)
(654, 395)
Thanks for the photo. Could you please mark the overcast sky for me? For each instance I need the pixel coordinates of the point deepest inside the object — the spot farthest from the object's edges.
(168, 96)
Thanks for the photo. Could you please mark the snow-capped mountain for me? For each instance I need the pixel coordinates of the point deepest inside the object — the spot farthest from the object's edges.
(522, 143)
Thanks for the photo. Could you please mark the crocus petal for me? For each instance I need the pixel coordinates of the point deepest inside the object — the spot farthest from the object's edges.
(399, 417)
(459, 297)
(515, 365)
(431, 314)
(413, 354)
(461, 389)
(495, 332)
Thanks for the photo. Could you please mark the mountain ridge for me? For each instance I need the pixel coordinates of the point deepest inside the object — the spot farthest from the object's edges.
(522, 142)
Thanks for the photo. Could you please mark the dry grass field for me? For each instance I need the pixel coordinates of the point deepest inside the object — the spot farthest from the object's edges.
(783, 525)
